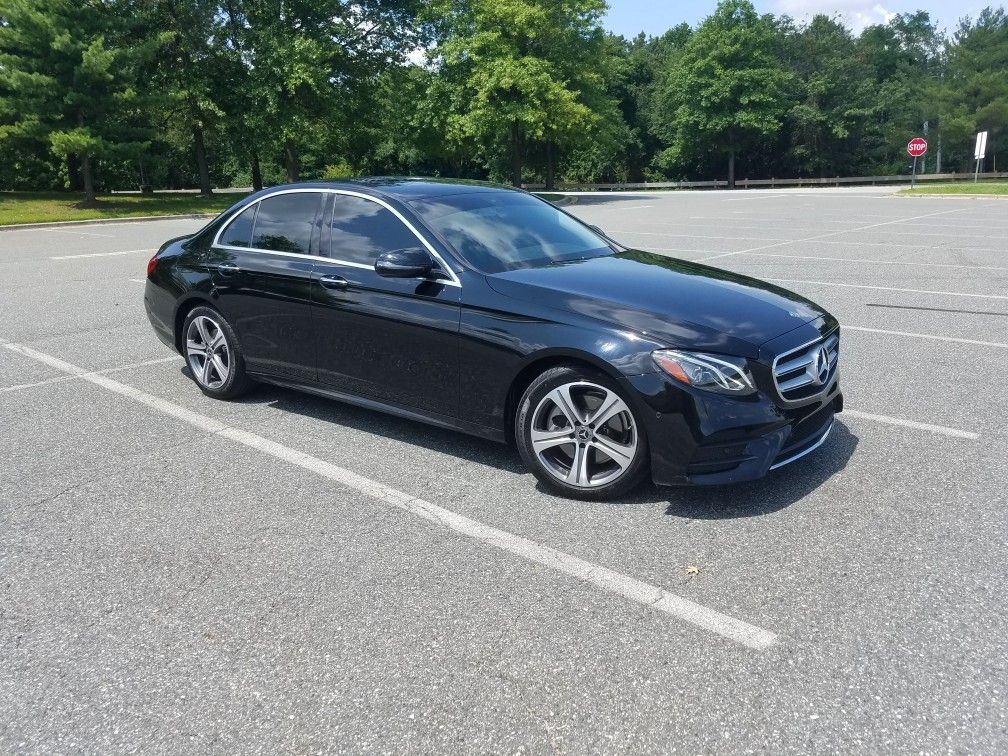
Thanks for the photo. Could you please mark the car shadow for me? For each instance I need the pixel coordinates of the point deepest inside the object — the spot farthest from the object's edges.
(752, 499)
(456, 444)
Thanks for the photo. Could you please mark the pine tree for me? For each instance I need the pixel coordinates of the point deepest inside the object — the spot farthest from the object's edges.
(67, 79)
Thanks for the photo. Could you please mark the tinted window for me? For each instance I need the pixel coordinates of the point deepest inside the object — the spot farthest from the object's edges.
(362, 230)
(496, 231)
(239, 231)
(284, 222)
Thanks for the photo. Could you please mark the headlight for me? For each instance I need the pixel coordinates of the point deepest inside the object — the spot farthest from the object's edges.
(724, 375)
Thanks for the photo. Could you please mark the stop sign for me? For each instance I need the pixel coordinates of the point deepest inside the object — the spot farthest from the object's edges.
(916, 147)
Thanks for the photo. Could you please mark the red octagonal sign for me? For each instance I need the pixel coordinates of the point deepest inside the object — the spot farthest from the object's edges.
(916, 147)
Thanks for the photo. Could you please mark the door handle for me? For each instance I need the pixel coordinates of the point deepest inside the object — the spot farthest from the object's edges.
(228, 268)
(334, 282)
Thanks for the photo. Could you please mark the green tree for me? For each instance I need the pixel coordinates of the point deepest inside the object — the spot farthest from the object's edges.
(306, 63)
(905, 57)
(833, 97)
(726, 92)
(515, 74)
(646, 60)
(67, 78)
(973, 93)
(186, 74)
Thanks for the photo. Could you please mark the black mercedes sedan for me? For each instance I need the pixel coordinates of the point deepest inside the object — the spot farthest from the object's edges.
(489, 311)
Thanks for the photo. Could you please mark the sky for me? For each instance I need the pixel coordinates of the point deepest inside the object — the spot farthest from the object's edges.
(654, 17)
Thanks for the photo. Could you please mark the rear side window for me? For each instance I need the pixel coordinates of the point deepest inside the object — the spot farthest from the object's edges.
(284, 222)
(362, 230)
(239, 231)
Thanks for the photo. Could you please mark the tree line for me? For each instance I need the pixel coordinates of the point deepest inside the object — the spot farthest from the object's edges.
(115, 94)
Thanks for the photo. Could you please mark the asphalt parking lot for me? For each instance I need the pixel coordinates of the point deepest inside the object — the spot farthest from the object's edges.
(288, 574)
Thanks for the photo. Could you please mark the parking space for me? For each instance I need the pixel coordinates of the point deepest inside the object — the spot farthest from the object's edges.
(285, 573)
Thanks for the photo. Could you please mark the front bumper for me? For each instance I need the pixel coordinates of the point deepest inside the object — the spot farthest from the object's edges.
(701, 438)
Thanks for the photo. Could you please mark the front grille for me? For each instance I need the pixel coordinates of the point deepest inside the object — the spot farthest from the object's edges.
(807, 371)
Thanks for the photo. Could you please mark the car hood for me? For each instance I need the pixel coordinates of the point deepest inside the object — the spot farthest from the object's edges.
(674, 302)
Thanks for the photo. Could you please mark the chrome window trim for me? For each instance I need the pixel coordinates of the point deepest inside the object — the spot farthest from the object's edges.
(453, 281)
(819, 340)
(799, 455)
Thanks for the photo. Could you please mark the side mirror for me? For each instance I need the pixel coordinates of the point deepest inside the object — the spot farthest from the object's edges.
(404, 263)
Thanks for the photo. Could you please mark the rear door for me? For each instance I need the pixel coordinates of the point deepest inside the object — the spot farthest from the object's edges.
(262, 269)
(390, 339)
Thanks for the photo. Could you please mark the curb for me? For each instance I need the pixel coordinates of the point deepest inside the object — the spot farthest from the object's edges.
(956, 196)
(106, 221)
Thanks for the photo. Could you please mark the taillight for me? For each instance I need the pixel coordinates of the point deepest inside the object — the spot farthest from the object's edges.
(151, 265)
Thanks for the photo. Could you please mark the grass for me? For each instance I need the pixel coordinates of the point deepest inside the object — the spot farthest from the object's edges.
(982, 188)
(44, 207)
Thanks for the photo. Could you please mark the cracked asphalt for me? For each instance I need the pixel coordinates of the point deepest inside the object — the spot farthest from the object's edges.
(165, 589)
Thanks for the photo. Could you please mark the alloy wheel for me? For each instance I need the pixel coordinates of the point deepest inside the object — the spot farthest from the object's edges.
(207, 352)
(584, 434)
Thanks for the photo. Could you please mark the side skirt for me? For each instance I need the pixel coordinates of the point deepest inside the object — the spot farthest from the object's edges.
(449, 423)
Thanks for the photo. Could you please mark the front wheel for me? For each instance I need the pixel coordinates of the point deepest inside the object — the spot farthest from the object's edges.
(579, 436)
(213, 355)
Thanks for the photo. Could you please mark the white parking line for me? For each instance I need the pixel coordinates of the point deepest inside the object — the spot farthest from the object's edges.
(692, 236)
(649, 248)
(618, 207)
(933, 337)
(919, 247)
(834, 233)
(888, 288)
(649, 595)
(80, 233)
(818, 220)
(940, 429)
(65, 378)
(104, 254)
(866, 260)
(944, 235)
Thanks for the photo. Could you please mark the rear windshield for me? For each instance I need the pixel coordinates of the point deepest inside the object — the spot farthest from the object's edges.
(498, 231)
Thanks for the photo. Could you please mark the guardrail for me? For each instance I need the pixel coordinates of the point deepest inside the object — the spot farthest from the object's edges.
(770, 182)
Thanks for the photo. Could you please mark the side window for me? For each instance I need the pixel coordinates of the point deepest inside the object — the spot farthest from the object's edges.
(239, 231)
(362, 230)
(284, 222)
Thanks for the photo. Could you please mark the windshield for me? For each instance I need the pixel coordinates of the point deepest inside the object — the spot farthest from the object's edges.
(497, 231)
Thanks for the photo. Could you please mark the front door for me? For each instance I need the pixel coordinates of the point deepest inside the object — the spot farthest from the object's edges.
(262, 268)
(394, 340)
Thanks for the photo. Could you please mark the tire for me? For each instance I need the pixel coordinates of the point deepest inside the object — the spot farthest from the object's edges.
(561, 443)
(203, 325)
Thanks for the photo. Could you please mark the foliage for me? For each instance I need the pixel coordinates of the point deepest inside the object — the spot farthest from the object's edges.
(973, 92)
(832, 98)
(99, 94)
(516, 74)
(726, 91)
(68, 81)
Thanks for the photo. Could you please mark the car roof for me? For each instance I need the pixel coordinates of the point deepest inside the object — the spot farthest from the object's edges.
(402, 188)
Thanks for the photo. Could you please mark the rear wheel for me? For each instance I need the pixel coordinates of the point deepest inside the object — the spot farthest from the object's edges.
(213, 355)
(579, 436)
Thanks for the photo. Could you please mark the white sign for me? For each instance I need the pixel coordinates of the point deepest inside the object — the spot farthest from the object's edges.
(980, 151)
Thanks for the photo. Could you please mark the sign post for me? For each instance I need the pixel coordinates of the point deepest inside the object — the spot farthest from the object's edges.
(979, 153)
(916, 148)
